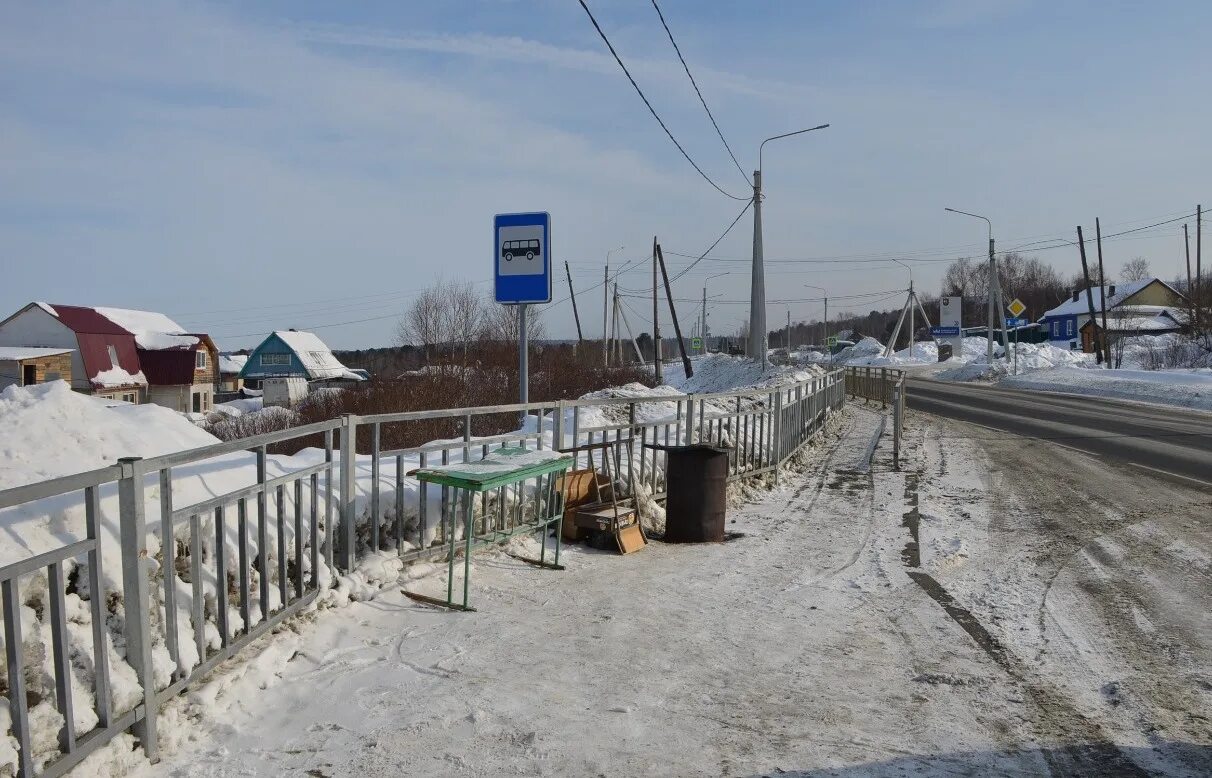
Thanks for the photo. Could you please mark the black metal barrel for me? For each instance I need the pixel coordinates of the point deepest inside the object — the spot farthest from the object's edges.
(697, 502)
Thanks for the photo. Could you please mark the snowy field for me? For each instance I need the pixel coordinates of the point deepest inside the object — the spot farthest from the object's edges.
(952, 618)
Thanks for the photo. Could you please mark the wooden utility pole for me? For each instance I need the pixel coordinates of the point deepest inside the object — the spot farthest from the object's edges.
(1187, 245)
(1102, 293)
(674, 314)
(1199, 267)
(1081, 245)
(656, 320)
(573, 295)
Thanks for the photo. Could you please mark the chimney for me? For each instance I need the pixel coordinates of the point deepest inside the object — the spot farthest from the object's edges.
(1076, 294)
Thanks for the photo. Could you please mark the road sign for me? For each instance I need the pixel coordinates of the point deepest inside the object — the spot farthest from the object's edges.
(521, 250)
(1016, 307)
(951, 317)
(1012, 322)
(831, 341)
(944, 332)
(696, 344)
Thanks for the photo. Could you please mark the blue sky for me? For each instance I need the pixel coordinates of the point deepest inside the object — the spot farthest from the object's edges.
(244, 167)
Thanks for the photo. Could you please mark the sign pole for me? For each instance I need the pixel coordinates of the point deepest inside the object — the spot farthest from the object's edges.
(523, 375)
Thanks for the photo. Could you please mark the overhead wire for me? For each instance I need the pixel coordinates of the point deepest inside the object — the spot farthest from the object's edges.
(652, 110)
(698, 92)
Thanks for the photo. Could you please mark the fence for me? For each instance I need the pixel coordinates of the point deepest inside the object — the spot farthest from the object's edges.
(234, 549)
(886, 385)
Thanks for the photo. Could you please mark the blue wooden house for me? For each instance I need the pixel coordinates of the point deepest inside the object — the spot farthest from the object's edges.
(1064, 322)
(288, 353)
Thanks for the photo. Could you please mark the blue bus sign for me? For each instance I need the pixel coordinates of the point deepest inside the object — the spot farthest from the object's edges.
(945, 332)
(1011, 322)
(521, 250)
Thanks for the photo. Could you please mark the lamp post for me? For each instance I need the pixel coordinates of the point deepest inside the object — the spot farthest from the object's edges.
(703, 320)
(994, 283)
(606, 308)
(757, 288)
(826, 293)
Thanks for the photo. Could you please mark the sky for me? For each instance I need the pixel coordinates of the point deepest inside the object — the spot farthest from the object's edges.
(244, 167)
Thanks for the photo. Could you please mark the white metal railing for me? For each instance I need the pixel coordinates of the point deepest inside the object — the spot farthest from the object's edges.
(231, 563)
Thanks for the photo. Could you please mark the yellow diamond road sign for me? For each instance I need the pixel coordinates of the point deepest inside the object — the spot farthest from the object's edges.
(1016, 307)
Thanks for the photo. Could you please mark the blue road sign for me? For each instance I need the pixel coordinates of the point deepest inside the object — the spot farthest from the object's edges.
(521, 250)
(944, 332)
(1011, 322)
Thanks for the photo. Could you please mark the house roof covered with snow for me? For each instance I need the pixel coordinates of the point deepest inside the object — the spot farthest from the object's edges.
(1117, 294)
(230, 364)
(17, 353)
(315, 358)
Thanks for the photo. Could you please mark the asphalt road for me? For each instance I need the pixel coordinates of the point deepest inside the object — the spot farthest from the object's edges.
(1168, 441)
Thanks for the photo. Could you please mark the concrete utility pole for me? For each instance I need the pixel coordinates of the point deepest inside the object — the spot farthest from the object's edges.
(1105, 348)
(788, 334)
(826, 293)
(757, 290)
(573, 296)
(995, 283)
(605, 306)
(703, 330)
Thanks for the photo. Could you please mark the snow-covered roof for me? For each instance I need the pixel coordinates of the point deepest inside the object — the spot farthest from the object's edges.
(232, 363)
(1081, 305)
(30, 352)
(317, 359)
(1140, 318)
(152, 331)
(116, 377)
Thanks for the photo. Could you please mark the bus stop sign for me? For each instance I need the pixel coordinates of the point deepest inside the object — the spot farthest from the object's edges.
(521, 250)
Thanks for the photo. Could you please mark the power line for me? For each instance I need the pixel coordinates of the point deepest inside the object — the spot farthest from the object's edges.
(697, 92)
(652, 110)
(713, 245)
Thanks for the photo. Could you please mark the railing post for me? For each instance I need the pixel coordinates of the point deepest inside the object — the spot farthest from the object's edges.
(135, 596)
(897, 392)
(349, 461)
(689, 419)
(557, 429)
(778, 434)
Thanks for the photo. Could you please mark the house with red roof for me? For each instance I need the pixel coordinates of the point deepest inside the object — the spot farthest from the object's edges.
(122, 354)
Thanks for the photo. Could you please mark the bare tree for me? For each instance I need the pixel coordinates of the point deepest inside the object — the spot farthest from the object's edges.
(465, 313)
(1136, 269)
(501, 323)
(424, 322)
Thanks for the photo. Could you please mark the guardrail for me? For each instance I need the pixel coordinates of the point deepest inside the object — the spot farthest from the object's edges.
(218, 564)
(887, 385)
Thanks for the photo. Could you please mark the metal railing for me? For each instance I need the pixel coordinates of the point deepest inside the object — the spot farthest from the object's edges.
(887, 386)
(222, 566)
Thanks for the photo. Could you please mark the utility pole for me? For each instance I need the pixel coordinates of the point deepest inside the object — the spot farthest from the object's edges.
(757, 288)
(616, 334)
(788, 334)
(757, 284)
(994, 286)
(1199, 267)
(1187, 244)
(605, 305)
(1106, 344)
(656, 320)
(703, 318)
(573, 295)
(674, 314)
(1081, 244)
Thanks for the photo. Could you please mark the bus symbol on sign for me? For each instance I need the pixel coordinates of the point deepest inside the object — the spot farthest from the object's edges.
(521, 248)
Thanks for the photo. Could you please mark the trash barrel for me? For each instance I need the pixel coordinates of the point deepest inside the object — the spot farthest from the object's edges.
(697, 501)
(944, 352)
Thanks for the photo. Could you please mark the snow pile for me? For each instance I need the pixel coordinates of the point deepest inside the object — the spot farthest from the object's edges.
(724, 373)
(239, 407)
(1183, 388)
(47, 430)
(116, 377)
(866, 348)
(1031, 357)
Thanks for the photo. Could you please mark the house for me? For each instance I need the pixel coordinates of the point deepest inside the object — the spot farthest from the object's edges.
(29, 365)
(293, 353)
(122, 354)
(1064, 322)
(1132, 321)
(230, 366)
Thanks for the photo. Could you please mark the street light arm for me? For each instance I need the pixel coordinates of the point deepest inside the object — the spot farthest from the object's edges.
(907, 267)
(974, 216)
(785, 135)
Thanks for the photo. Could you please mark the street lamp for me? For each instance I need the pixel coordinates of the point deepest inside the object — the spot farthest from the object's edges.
(995, 291)
(703, 320)
(826, 293)
(606, 306)
(757, 288)
(912, 301)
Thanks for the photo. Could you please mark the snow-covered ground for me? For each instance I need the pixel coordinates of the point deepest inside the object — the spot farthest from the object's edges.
(955, 617)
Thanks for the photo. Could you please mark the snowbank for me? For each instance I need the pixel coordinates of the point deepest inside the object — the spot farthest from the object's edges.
(1182, 388)
(1031, 357)
(724, 373)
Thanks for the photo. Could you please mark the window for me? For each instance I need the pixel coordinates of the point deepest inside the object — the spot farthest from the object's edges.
(127, 397)
(200, 359)
(1069, 327)
(113, 355)
(29, 375)
(275, 359)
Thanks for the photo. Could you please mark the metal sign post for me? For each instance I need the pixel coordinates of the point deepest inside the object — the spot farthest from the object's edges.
(521, 250)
